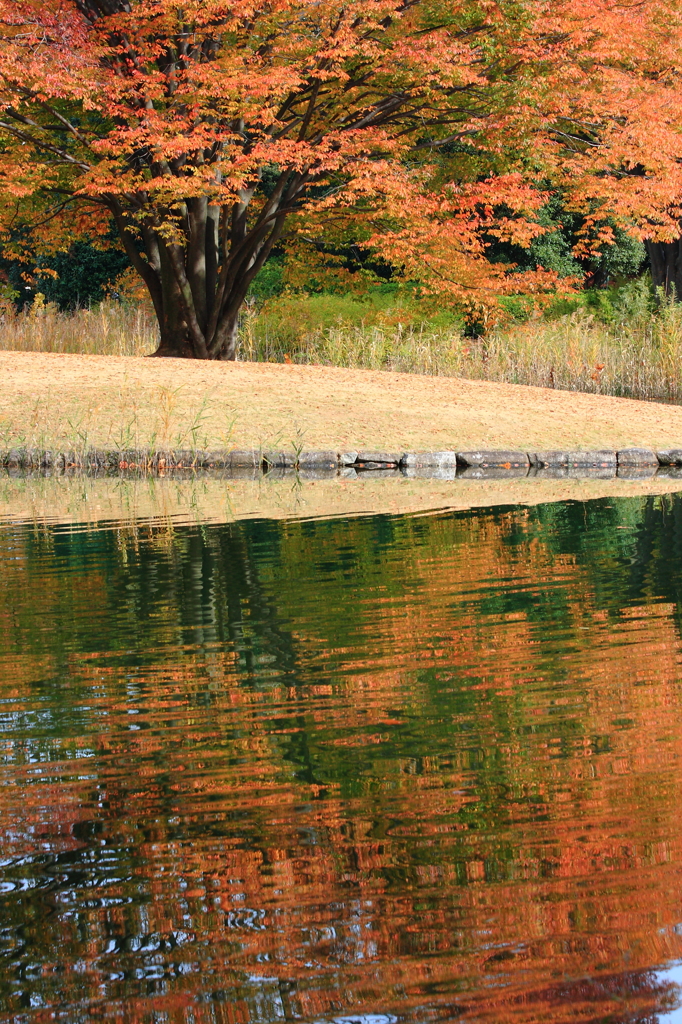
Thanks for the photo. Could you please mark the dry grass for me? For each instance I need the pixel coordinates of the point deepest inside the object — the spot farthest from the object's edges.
(124, 419)
(113, 329)
(638, 355)
(55, 400)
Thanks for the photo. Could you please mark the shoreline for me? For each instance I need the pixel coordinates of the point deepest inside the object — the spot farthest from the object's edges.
(448, 464)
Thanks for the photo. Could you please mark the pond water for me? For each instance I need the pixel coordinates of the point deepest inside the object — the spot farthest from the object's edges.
(369, 770)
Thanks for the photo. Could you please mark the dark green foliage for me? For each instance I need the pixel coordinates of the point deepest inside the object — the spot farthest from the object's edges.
(269, 281)
(85, 275)
(554, 250)
(626, 258)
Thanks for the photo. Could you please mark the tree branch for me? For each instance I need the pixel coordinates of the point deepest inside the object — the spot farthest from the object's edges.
(25, 137)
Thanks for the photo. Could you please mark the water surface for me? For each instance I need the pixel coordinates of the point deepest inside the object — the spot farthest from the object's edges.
(376, 769)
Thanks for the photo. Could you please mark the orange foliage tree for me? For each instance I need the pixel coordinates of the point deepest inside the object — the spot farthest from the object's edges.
(210, 131)
(605, 112)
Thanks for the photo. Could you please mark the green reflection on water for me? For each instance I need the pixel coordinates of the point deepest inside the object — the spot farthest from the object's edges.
(425, 767)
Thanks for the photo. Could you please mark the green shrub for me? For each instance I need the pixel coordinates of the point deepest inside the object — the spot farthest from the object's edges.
(269, 281)
(85, 275)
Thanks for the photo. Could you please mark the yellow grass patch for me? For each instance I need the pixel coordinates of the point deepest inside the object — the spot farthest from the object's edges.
(54, 400)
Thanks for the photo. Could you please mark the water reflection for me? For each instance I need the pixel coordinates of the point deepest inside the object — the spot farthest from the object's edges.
(372, 770)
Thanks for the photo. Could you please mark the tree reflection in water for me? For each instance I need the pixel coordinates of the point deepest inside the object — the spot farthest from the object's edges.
(371, 770)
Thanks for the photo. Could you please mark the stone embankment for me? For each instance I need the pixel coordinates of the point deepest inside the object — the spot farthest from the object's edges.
(633, 462)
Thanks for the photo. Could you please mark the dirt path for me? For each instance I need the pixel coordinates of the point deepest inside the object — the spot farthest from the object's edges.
(106, 399)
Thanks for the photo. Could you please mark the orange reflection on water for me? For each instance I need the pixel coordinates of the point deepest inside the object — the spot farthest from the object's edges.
(313, 771)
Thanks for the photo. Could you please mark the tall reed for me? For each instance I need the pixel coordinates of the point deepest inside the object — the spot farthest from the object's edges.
(637, 355)
(574, 353)
(112, 328)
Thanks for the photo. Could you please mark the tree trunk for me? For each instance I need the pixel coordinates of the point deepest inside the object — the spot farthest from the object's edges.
(176, 337)
(198, 265)
(175, 342)
(666, 267)
(228, 351)
(197, 301)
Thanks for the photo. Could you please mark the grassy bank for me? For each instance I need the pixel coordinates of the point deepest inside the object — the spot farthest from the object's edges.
(61, 402)
(633, 352)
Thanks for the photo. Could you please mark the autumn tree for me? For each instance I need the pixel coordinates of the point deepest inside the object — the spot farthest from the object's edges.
(209, 131)
(606, 113)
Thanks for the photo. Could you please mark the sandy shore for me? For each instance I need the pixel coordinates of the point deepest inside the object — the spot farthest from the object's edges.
(104, 400)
